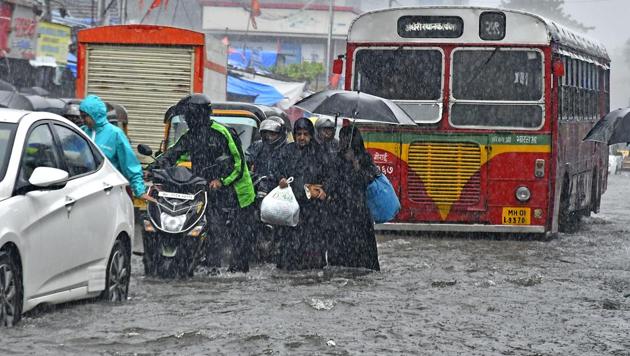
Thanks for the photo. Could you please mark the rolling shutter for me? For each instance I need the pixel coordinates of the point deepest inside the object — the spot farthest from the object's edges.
(145, 80)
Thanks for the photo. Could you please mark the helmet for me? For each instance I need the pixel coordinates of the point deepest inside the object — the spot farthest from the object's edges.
(196, 109)
(274, 124)
(270, 125)
(323, 123)
(199, 99)
(277, 119)
(73, 114)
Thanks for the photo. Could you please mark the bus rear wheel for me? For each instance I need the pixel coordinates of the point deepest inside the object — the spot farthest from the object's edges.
(568, 220)
(596, 193)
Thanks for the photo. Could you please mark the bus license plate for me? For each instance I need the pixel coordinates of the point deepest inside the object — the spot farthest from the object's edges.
(516, 216)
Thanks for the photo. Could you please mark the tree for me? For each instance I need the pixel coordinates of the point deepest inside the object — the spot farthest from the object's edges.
(553, 9)
(305, 71)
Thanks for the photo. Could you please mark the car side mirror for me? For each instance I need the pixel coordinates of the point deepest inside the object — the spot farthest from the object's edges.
(46, 177)
(145, 150)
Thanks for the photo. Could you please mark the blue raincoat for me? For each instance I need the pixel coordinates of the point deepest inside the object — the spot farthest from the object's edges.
(113, 142)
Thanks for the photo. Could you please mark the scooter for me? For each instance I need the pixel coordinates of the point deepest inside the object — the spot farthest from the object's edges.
(175, 227)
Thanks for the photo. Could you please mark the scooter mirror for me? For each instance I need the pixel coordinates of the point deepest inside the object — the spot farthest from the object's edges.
(144, 150)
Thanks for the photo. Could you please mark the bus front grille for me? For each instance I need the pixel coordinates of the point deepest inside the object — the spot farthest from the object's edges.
(439, 171)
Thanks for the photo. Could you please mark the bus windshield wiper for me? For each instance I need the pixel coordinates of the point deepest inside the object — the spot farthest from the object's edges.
(478, 71)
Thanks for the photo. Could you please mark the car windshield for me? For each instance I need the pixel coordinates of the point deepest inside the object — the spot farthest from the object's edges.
(410, 77)
(244, 126)
(7, 132)
(497, 87)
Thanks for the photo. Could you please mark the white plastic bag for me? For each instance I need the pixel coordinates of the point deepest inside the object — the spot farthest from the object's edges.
(280, 207)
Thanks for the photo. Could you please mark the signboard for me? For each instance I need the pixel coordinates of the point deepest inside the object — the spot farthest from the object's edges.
(430, 26)
(23, 34)
(52, 41)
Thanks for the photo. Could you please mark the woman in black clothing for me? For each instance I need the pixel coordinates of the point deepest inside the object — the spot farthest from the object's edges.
(302, 247)
(355, 243)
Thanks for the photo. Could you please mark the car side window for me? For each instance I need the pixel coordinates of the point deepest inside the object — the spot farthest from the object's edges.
(76, 152)
(38, 152)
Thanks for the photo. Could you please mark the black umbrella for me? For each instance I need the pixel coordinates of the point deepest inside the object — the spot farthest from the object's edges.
(14, 100)
(613, 128)
(356, 105)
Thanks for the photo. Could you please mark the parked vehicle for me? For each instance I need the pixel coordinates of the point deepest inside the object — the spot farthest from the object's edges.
(175, 225)
(67, 217)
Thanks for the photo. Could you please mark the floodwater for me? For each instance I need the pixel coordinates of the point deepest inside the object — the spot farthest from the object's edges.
(471, 296)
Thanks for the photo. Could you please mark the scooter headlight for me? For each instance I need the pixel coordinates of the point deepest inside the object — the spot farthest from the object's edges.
(172, 223)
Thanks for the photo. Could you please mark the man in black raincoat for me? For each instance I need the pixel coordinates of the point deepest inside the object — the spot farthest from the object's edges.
(263, 154)
(302, 247)
(354, 242)
(262, 157)
(215, 156)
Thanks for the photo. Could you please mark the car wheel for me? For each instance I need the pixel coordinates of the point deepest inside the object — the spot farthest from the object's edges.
(118, 274)
(10, 291)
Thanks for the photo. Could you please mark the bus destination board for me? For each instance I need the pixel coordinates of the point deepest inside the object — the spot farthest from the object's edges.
(430, 26)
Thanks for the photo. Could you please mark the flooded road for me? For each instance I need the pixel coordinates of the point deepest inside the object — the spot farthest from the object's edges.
(475, 296)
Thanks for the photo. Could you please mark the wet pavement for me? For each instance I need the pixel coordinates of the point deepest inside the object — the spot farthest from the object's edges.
(472, 296)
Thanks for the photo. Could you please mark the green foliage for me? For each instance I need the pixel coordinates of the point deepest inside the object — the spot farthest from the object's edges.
(552, 9)
(305, 71)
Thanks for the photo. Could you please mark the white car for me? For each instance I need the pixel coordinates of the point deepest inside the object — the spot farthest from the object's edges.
(66, 217)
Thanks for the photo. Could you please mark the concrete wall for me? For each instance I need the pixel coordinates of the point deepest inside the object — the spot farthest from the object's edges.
(215, 73)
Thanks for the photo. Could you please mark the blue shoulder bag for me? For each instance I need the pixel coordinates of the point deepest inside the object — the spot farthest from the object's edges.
(382, 200)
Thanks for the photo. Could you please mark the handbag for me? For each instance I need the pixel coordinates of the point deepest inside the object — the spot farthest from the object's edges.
(382, 200)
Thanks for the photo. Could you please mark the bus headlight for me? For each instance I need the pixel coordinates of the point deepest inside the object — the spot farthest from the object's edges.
(523, 194)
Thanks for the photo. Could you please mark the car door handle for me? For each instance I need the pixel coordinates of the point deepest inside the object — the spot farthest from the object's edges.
(107, 187)
(69, 202)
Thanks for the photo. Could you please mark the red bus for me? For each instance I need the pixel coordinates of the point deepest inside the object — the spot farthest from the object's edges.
(502, 100)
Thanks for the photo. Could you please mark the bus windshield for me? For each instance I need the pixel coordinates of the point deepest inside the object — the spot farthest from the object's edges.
(497, 88)
(410, 76)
